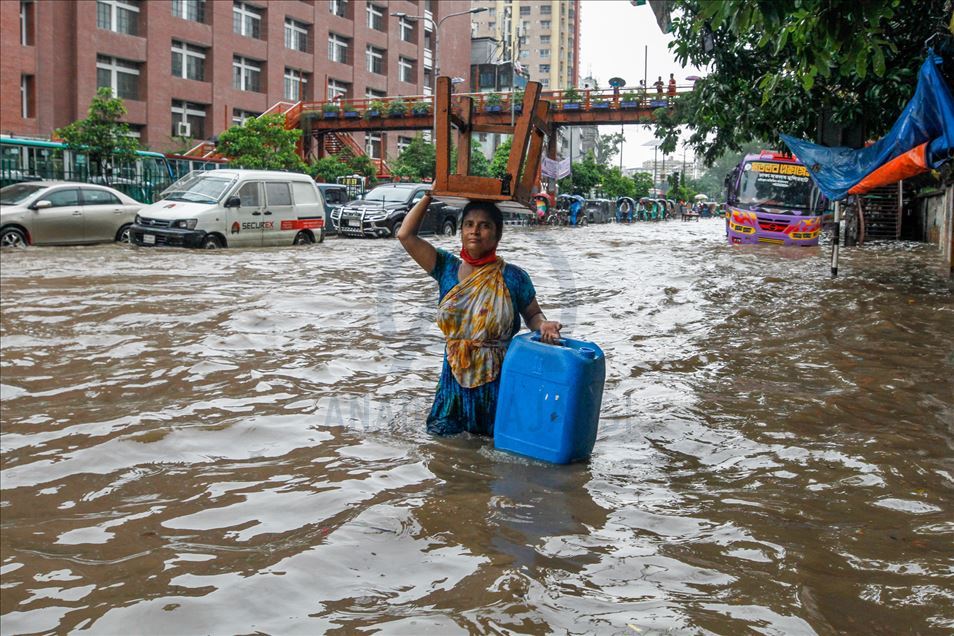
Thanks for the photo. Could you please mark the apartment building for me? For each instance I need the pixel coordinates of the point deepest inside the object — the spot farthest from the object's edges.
(542, 35)
(189, 69)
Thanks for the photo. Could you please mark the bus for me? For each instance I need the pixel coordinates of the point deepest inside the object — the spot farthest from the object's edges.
(770, 198)
(23, 159)
(181, 165)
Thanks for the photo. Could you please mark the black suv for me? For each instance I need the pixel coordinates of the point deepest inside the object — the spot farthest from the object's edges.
(335, 196)
(382, 210)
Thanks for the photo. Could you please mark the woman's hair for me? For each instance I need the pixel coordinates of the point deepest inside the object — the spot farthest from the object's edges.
(485, 206)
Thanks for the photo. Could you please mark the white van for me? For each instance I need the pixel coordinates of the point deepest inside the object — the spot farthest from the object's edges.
(233, 208)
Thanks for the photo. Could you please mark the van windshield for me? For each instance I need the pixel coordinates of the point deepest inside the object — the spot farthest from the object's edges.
(198, 187)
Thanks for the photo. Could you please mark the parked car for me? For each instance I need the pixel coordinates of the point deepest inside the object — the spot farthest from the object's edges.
(64, 213)
(233, 208)
(382, 210)
(335, 196)
(599, 210)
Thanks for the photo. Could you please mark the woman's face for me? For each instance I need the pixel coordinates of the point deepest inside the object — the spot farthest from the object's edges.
(478, 234)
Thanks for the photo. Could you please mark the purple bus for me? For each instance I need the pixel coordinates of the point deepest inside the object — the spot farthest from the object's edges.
(771, 199)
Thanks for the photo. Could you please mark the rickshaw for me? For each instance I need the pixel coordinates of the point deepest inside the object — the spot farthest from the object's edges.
(625, 209)
(569, 211)
(541, 208)
(643, 209)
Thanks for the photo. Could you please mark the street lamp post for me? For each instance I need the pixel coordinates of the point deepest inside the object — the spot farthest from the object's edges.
(436, 26)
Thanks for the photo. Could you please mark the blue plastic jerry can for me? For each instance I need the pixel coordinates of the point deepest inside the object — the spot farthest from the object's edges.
(548, 406)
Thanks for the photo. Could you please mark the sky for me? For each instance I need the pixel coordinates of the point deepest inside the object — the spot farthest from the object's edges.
(613, 37)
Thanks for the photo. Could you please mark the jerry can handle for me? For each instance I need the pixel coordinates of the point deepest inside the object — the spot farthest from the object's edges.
(560, 342)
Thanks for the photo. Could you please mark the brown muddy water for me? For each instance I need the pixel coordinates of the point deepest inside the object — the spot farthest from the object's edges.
(233, 442)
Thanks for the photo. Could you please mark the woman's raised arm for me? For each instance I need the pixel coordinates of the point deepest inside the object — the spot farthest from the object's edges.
(420, 250)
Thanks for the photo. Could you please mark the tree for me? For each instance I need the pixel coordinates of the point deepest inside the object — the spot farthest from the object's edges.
(607, 147)
(585, 176)
(643, 183)
(102, 136)
(328, 169)
(262, 143)
(417, 161)
(498, 165)
(786, 66)
(616, 185)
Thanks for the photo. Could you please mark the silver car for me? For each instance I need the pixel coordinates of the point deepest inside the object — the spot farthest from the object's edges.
(64, 213)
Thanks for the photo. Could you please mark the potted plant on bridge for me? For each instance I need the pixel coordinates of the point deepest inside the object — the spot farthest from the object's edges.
(492, 103)
(350, 112)
(330, 110)
(420, 108)
(397, 108)
(517, 98)
(629, 99)
(375, 108)
(571, 99)
(599, 103)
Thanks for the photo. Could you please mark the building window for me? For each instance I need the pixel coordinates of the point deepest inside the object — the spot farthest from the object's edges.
(375, 17)
(27, 97)
(491, 13)
(339, 8)
(545, 25)
(338, 48)
(337, 90)
(247, 20)
(545, 40)
(375, 58)
(239, 117)
(407, 30)
(407, 73)
(121, 16)
(545, 9)
(246, 74)
(296, 35)
(188, 61)
(26, 22)
(373, 94)
(525, 53)
(296, 83)
(192, 10)
(121, 76)
(372, 145)
(544, 53)
(492, 26)
(545, 82)
(544, 68)
(188, 119)
(524, 11)
(403, 142)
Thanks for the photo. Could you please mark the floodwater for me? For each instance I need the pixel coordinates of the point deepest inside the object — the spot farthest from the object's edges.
(233, 442)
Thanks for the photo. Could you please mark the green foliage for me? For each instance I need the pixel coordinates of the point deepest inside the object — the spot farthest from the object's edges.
(417, 161)
(780, 66)
(327, 169)
(572, 95)
(586, 176)
(103, 136)
(517, 96)
(262, 143)
(642, 184)
(375, 107)
(616, 185)
(329, 107)
(678, 190)
(479, 166)
(629, 96)
(607, 146)
(396, 107)
(420, 107)
(498, 165)
(492, 99)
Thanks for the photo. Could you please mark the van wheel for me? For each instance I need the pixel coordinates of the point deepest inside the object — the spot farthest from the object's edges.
(122, 236)
(12, 237)
(449, 228)
(211, 242)
(303, 238)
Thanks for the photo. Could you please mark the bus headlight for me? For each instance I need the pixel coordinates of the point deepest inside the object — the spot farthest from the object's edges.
(186, 224)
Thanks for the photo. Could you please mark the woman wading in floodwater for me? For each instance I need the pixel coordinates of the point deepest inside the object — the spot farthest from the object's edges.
(481, 302)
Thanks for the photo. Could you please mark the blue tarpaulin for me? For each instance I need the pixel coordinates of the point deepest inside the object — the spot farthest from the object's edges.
(927, 120)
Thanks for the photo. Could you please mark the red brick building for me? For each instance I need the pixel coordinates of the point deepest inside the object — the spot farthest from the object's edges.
(188, 69)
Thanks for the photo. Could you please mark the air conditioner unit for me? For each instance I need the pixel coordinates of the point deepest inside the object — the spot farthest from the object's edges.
(183, 129)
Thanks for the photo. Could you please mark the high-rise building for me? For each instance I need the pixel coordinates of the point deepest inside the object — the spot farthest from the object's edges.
(188, 69)
(541, 35)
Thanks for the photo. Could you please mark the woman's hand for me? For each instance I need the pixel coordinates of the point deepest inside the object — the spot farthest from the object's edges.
(550, 331)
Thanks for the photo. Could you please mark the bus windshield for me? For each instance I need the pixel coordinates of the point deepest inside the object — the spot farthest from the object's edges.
(775, 184)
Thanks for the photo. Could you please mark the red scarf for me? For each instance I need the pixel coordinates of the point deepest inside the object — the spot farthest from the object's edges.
(477, 262)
